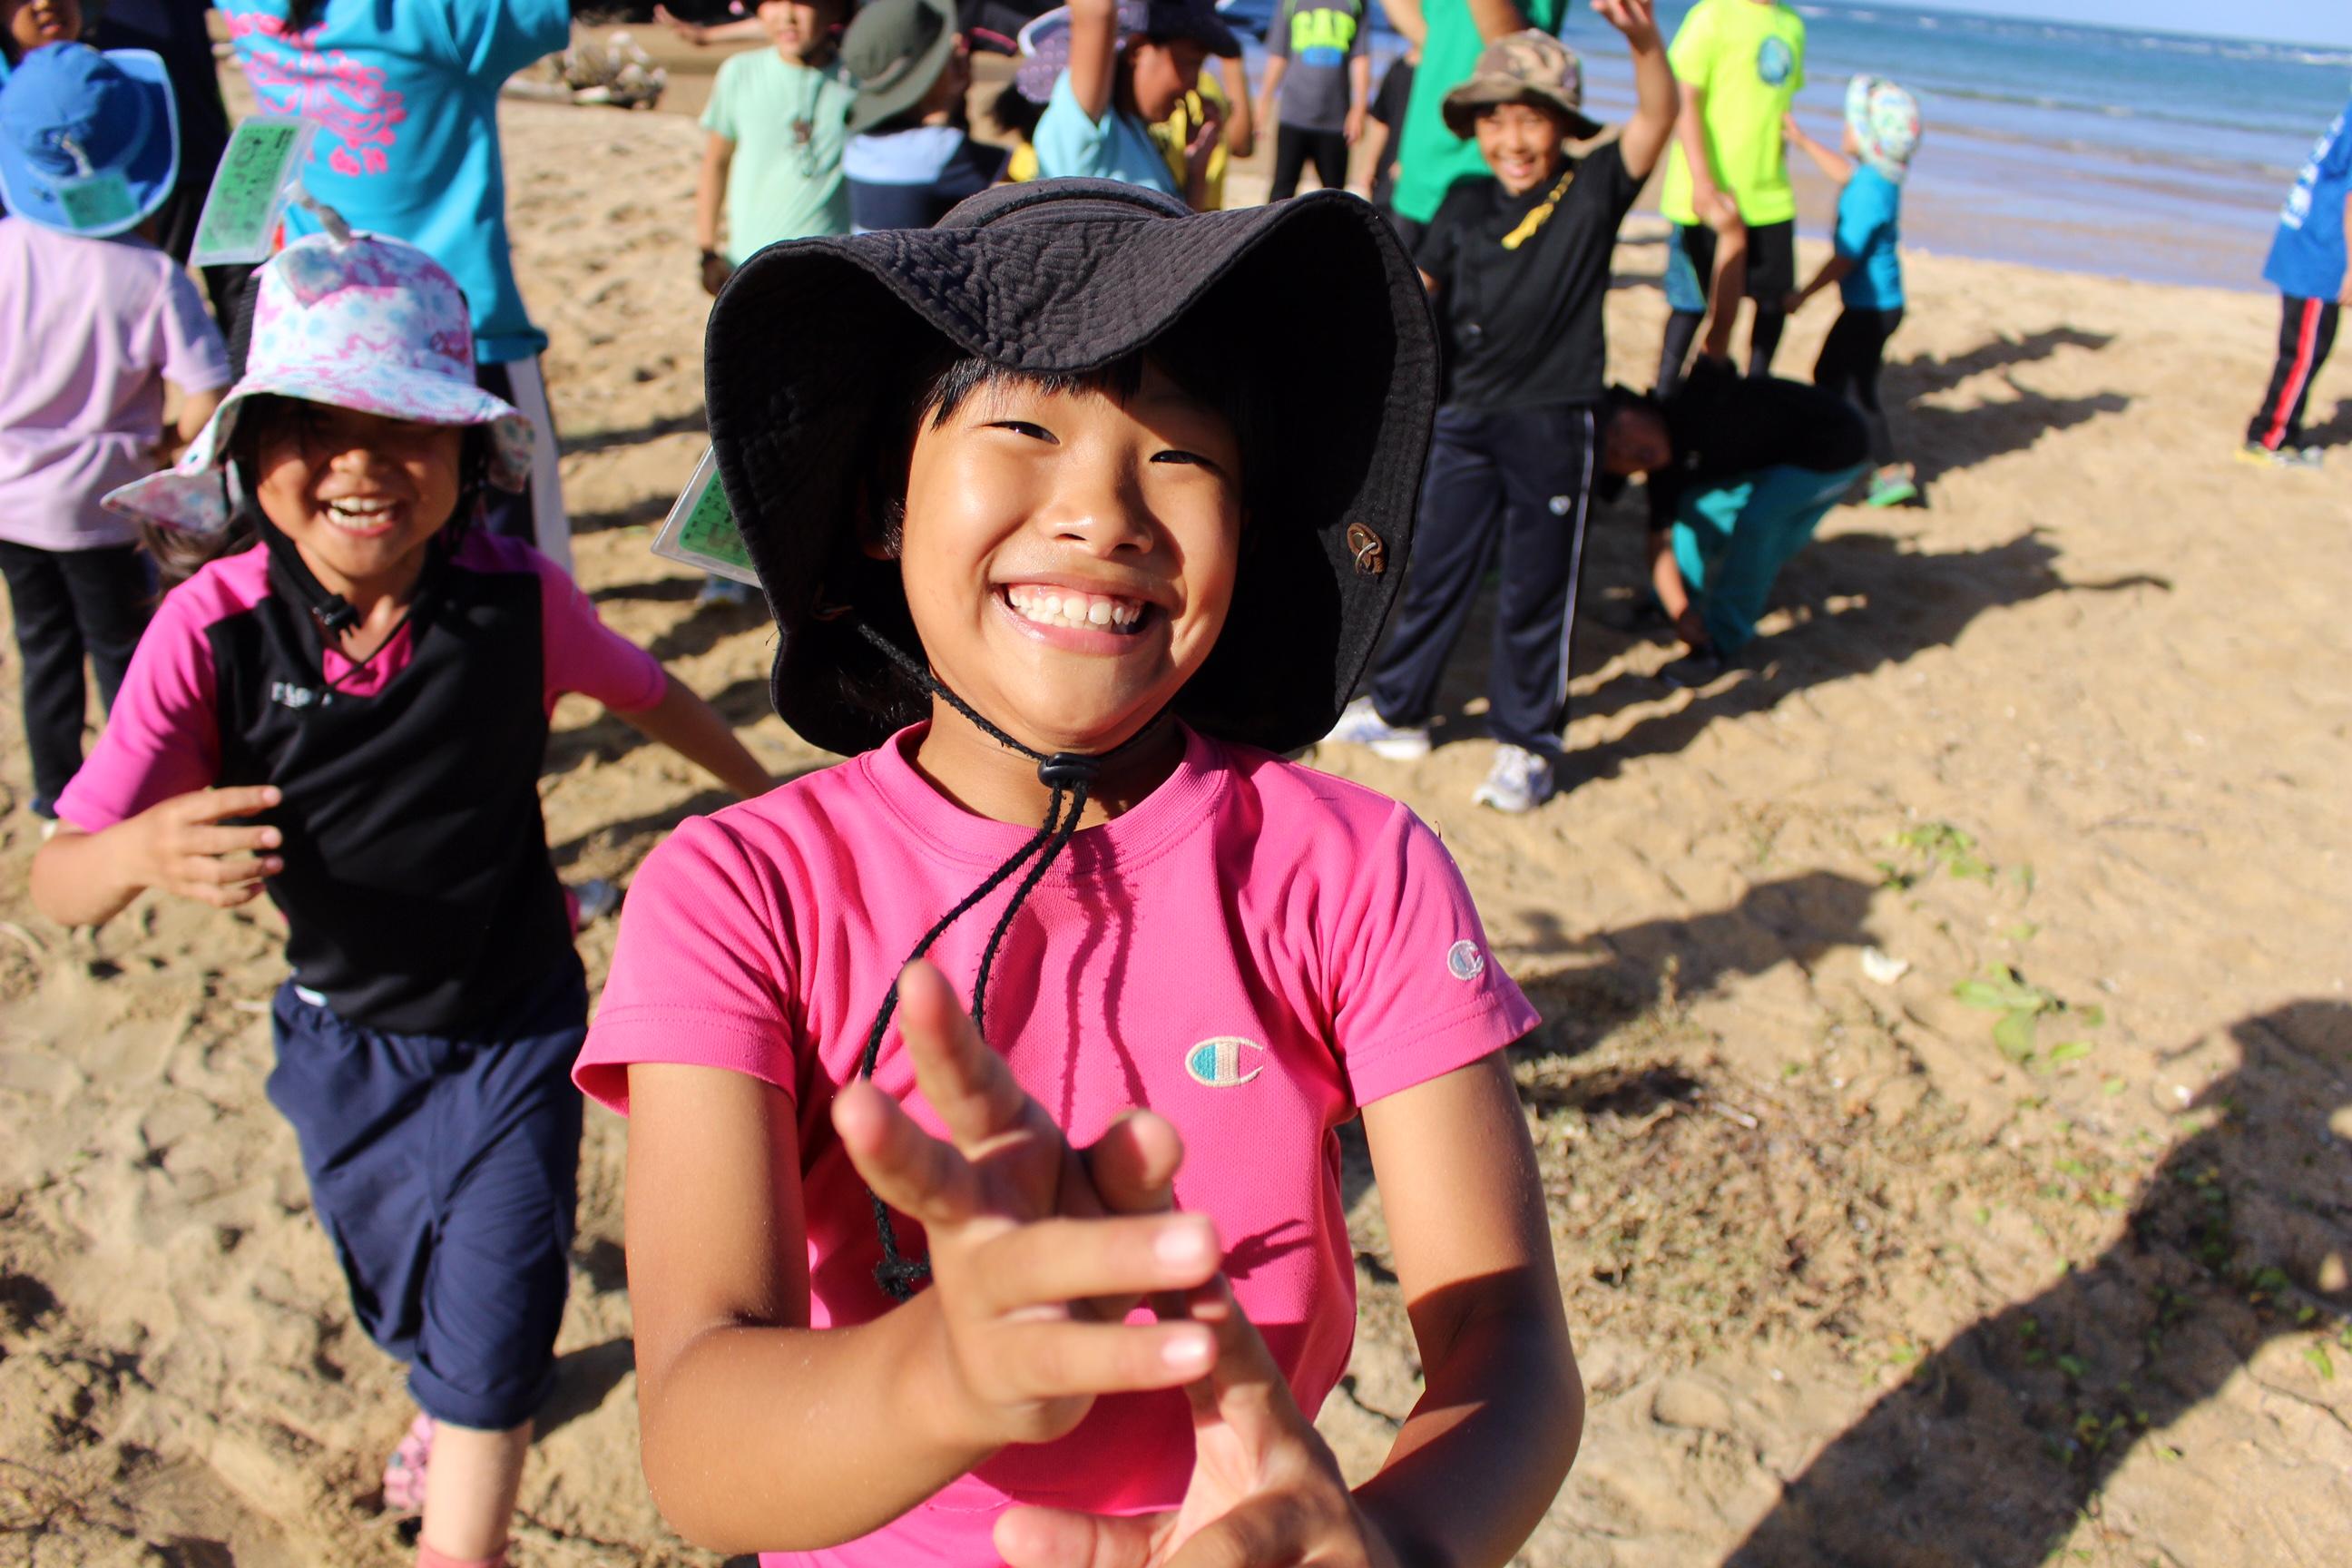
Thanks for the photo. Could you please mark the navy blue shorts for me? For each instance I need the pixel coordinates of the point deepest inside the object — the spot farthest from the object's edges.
(446, 1173)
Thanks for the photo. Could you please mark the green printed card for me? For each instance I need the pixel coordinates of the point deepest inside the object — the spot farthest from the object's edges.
(701, 531)
(257, 177)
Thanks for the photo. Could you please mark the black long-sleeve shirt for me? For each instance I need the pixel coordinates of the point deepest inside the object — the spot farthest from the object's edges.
(1723, 424)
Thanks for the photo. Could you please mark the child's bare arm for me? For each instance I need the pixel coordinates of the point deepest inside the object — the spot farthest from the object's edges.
(1484, 1451)
(1833, 271)
(1360, 96)
(693, 728)
(1829, 160)
(1729, 284)
(1657, 99)
(1241, 123)
(1093, 55)
(760, 1433)
(1497, 18)
(1376, 143)
(710, 189)
(1276, 67)
(1690, 129)
(1405, 19)
(702, 34)
(182, 846)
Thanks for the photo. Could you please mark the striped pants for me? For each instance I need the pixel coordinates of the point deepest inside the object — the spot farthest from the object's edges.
(2306, 334)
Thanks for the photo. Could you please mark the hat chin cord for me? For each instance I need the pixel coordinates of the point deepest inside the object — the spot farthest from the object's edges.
(1071, 776)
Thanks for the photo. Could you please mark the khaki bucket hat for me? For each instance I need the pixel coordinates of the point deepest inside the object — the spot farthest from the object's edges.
(1530, 66)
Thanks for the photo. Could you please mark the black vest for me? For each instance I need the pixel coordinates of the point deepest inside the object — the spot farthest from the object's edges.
(417, 891)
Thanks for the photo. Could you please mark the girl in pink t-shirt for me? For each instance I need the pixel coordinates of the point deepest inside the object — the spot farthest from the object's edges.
(1077, 509)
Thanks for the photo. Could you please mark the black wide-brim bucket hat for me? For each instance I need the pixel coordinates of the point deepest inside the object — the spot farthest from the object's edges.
(807, 368)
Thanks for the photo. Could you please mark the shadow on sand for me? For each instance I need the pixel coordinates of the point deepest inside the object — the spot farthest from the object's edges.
(1991, 1452)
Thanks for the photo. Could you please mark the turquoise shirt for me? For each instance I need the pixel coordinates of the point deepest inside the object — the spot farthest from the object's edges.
(1867, 234)
(407, 99)
(1119, 146)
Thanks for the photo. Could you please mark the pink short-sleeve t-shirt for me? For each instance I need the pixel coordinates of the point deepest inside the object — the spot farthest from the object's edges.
(1255, 951)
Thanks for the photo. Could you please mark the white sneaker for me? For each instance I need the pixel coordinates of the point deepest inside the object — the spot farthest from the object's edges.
(1520, 781)
(1360, 724)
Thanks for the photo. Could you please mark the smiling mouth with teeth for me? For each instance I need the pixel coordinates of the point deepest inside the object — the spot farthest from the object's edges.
(1068, 607)
(355, 512)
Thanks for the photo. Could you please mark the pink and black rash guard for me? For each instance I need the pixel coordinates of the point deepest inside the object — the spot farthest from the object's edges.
(417, 891)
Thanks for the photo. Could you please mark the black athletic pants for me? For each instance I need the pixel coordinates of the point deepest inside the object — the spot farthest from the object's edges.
(1512, 485)
(71, 605)
(1849, 366)
(2306, 331)
(1294, 145)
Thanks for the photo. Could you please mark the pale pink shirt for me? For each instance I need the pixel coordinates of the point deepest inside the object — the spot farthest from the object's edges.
(89, 330)
(1254, 950)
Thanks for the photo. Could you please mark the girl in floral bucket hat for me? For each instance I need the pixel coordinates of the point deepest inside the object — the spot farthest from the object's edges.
(1882, 133)
(348, 711)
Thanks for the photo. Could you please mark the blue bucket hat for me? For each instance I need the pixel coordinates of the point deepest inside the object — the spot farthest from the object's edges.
(89, 142)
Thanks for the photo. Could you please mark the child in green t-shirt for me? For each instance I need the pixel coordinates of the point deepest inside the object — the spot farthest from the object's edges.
(778, 119)
(1740, 63)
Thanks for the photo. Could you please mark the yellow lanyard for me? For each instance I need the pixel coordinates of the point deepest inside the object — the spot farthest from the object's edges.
(1539, 215)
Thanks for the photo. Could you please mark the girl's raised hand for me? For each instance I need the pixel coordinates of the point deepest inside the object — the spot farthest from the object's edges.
(181, 846)
(1633, 18)
(1038, 1251)
(1266, 1491)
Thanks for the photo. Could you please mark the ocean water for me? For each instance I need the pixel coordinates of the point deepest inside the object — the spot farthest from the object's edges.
(2148, 155)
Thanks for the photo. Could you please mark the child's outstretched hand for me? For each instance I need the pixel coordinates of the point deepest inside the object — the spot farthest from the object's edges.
(181, 846)
(1637, 19)
(1038, 1251)
(1266, 1491)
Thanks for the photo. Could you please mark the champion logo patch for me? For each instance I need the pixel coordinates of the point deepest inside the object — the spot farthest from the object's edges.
(1464, 961)
(1218, 1063)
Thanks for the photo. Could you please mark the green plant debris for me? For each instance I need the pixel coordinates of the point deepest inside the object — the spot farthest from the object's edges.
(1953, 848)
(2022, 931)
(2022, 1005)
(2320, 1363)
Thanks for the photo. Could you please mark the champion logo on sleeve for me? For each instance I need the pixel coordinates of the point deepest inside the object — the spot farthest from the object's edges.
(1217, 1063)
(1465, 960)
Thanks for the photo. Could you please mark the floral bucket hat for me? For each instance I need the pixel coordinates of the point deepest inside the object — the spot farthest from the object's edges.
(362, 323)
(1884, 119)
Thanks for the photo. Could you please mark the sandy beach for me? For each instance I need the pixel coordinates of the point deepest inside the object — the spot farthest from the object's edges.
(1854, 1280)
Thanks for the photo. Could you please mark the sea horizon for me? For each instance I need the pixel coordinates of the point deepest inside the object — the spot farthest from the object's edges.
(2116, 150)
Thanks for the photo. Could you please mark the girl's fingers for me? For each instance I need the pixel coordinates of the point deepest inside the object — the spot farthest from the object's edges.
(216, 805)
(1132, 1166)
(1246, 1389)
(968, 1084)
(908, 1168)
(1043, 1359)
(1057, 1261)
(198, 840)
(228, 871)
(1270, 1528)
(1050, 1538)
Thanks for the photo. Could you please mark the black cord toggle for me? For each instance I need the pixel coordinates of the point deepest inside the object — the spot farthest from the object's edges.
(1070, 770)
(1071, 775)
